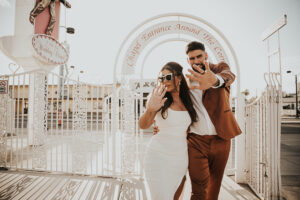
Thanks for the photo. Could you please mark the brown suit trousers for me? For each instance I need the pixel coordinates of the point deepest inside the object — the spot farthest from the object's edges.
(208, 156)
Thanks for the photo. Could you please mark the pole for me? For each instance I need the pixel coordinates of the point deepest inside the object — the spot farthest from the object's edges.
(60, 81)
(297, 113)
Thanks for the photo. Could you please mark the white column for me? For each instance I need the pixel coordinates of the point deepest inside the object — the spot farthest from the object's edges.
(240, 156)
(37, 113)
(30, 109)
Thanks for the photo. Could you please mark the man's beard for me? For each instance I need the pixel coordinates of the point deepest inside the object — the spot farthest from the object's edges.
(202, 66)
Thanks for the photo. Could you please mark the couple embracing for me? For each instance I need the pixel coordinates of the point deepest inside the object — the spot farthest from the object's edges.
(194, 127)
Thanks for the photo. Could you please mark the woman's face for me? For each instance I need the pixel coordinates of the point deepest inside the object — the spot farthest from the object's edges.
(167, 78)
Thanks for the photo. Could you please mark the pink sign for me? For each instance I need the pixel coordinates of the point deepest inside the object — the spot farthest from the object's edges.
(49, 50)
(170, 27)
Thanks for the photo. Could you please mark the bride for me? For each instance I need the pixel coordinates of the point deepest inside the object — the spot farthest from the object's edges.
(170, 106)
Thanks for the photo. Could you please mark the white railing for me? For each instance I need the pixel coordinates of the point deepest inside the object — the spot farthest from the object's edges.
(51, 127)
(262, 130)
(130, 141)
(69, 129)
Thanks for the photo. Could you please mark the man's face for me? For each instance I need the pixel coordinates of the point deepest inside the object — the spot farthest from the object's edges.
(196, 57)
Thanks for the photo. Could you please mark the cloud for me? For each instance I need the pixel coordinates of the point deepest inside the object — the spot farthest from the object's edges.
(4, 3)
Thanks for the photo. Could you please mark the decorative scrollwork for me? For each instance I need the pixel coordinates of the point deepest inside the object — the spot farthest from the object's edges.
(131, 188)
(40, 120)
(79, 108)
(4, 115)
(128, 149)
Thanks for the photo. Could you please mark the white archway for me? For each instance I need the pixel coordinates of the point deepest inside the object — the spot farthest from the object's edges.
(157, 45)
(143, 40)
(171, 27)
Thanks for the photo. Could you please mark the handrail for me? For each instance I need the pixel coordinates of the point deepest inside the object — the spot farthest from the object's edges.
(266, 79)
(52, 73)
(254, 102)
(278, 81)
(273, 80)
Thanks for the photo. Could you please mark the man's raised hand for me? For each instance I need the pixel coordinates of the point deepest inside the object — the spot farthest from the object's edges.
(206, 79)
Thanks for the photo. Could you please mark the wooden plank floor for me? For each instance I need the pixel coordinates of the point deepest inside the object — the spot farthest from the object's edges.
(36, 185)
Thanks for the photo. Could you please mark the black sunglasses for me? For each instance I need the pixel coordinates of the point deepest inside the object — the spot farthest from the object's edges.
(168, 77)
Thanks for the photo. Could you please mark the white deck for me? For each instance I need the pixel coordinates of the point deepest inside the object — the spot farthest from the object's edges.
(34, 185)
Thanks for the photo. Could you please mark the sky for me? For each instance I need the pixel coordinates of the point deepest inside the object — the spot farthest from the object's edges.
(102, 26)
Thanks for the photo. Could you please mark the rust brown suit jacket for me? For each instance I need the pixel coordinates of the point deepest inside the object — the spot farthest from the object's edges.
(216, 102)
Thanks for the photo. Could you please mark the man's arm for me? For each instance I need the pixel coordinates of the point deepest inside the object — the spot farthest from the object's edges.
(220, 82)
(223, 70)
(211, 77)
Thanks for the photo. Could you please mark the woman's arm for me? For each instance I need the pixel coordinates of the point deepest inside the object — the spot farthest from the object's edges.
(155, 102)
(147, 119)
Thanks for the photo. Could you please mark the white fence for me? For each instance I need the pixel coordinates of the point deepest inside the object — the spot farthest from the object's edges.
(262, 132)
(51, 127)
(56, 124)
(80, 128)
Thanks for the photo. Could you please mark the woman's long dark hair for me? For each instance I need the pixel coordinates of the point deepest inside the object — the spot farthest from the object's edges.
(184, 92)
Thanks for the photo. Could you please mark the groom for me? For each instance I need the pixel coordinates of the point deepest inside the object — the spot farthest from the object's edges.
(209, 137)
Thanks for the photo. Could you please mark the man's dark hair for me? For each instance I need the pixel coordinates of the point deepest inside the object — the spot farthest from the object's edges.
(194, 45)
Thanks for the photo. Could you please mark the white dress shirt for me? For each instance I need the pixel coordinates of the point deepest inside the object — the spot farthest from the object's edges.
(204, 125)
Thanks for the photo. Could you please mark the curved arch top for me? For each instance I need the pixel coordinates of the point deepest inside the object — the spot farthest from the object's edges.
(173, 27)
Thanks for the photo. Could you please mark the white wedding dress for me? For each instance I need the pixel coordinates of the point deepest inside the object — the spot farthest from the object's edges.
(166, 159)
